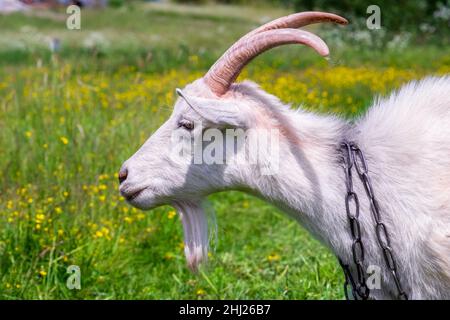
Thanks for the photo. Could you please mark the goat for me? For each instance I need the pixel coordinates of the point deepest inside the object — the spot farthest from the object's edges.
(405, 139)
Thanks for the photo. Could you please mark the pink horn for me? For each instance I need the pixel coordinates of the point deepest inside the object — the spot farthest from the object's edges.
(298, 20)
(278, 32)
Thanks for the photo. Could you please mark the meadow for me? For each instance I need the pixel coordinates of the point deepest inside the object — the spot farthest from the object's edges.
(68, 119)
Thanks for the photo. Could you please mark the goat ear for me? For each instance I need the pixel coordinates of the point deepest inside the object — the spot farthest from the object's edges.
(217, 111)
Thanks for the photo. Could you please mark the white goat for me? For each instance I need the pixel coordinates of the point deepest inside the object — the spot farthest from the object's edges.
(405, 138)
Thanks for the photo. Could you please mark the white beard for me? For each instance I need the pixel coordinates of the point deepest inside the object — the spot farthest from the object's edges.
(195, 226)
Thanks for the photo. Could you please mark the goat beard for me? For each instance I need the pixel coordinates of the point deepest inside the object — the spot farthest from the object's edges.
(194, 217)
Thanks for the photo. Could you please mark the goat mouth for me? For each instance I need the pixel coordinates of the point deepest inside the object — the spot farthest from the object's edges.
(134, 195)
(142, 198)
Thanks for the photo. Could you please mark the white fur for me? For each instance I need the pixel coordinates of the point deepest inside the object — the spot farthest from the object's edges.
(405, 138)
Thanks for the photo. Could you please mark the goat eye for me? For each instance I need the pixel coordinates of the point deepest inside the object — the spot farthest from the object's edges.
(188, 125)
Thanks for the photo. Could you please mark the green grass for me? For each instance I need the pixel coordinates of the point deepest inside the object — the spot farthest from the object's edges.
(69, 120)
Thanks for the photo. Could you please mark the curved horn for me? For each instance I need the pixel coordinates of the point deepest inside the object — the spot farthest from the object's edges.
(297, 20)
(223, 73)
(231, 64)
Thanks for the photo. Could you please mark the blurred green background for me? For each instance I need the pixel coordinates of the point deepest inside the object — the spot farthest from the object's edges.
(74, 104)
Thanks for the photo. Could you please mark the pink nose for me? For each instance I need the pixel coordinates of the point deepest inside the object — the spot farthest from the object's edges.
(123, 173)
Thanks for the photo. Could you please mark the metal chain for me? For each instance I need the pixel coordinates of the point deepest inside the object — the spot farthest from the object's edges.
(359, 288)
(353, 156)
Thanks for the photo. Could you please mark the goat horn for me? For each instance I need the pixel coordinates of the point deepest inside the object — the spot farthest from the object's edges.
(298, 20)
(230, 66)
(225, 71)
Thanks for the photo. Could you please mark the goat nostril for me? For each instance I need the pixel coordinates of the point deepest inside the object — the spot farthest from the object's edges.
(123, 173)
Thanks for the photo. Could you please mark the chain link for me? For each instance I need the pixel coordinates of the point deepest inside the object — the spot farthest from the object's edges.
(360, 290)
(353, 156)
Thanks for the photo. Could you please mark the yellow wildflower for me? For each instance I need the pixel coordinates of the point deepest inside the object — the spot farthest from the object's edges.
(273, 257)
(201, 292)
(128, 219)
(140, 216)
(171, 214)
(98, 234)
(169, 256)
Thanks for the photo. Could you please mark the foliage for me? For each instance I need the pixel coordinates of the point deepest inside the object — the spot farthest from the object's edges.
(422, 19)
(116, 3)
